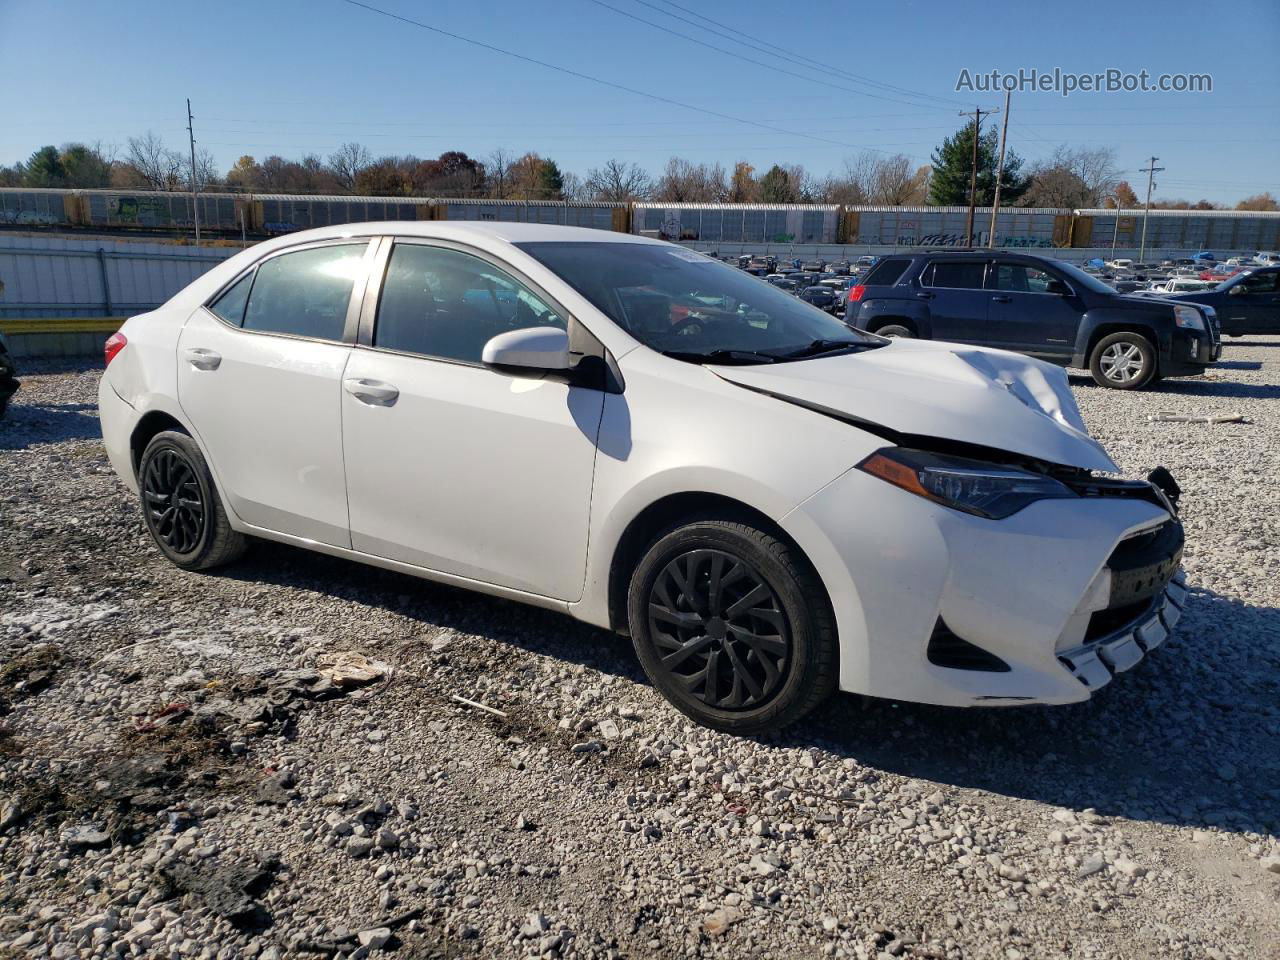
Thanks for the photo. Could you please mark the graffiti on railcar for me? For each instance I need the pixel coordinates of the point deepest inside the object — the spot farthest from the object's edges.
(144, 212)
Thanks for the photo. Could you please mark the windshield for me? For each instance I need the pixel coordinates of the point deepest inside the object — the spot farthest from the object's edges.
(686, 305)
(1088, 281)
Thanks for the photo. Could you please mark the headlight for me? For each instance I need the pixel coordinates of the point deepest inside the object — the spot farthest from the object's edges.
(1189, 318)
(972, 486)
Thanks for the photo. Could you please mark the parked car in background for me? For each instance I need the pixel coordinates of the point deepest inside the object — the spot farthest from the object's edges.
(8, 376)
(1248, 303)
(1267, 258)
(770, 504)
(782, 283)
(813, 266)
(824, 298)
(1038, 306)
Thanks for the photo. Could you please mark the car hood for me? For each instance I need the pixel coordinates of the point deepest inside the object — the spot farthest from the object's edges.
(945, 391)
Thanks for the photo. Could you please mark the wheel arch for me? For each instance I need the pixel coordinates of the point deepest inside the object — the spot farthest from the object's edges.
(1106, 327)
(150, 424)
(666, 512)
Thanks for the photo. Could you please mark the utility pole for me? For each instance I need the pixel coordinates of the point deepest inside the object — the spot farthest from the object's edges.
(976, 113)
(195, 192)
(1150, 171)
(995, 203)
(1115, 232)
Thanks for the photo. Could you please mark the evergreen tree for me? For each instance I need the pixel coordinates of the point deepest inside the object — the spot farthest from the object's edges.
(776, 186)
(44, 169)
(949, 183)
(550, 180)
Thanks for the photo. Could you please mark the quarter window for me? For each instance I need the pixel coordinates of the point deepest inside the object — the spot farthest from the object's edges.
(230, 306)
(886, 273)
(1019, 278)
(305, 294)
(443, 303)
(961, 274)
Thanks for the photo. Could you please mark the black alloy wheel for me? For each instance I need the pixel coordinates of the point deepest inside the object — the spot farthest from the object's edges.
(175, 505)
(180, 504)
(720, 630)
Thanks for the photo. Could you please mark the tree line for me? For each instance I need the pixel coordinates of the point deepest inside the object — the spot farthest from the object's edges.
(1070, 177)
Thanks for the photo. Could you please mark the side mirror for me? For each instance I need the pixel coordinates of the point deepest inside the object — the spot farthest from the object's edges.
(1237, 290)
(530, 349)
(1057, 287)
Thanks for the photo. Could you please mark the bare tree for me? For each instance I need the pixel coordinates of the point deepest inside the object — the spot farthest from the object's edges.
(618, 182)
(685, 182)
(159, 166)
(346, 162)
(1079, 177)
(498, 167)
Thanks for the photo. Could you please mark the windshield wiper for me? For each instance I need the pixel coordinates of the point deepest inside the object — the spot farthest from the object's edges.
(828, 346)
(723, 356)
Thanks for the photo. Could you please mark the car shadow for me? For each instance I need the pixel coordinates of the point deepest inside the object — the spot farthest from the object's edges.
(25, 425)
(1190, 737)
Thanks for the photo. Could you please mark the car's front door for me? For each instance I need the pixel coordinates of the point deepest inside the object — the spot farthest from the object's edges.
(1259, 304)
(454, 466)
(259, 377)
(1029, 311)
(956, 301)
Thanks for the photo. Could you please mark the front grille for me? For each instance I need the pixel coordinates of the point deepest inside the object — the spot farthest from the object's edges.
(948, 650)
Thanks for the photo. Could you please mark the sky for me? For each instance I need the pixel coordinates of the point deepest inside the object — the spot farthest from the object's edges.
(810, 83)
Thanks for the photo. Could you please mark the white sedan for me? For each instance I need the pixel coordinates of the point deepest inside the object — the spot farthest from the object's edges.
(771, 504)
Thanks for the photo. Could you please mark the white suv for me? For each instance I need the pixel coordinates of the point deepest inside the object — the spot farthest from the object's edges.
(771, 504)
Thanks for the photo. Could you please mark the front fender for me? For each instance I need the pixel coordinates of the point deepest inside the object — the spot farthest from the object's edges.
(1098, 323)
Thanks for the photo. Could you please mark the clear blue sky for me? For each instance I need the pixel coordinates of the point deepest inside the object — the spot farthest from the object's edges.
(298, 76)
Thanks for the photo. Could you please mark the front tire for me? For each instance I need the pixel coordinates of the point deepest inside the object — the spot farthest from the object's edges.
(1123, 361)
(180, 504)
(896, 330)
(732, 626)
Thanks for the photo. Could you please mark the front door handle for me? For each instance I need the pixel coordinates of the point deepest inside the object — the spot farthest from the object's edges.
(373, 392)
(925, 296)
(1002, 299)
(202, 359)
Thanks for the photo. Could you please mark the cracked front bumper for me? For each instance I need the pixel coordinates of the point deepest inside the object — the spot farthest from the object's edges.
(1094, 663)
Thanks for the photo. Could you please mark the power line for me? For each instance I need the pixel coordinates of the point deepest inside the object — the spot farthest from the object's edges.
(785, 54)
(585, 76)
(738, 56)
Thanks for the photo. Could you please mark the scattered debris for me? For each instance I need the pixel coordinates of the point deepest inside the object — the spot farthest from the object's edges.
(479, 706)
(349, 670)
(718, 922)
(229, 890)
(1168, 417)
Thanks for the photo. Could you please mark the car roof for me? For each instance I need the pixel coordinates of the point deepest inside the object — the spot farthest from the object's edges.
(511, 232)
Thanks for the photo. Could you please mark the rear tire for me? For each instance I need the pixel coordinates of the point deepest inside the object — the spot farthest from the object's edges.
(181, 507)
(732, 626)
(896, 330)
(1123, 361)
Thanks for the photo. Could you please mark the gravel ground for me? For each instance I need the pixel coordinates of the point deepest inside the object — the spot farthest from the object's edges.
(179, 777)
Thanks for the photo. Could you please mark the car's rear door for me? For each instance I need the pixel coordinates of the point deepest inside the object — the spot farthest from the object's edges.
(259, 377)
(453, 466)
(1025, 316)
(957, 303)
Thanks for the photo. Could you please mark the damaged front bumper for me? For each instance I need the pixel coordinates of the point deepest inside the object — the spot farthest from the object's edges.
(1094, 663)
(938, 606)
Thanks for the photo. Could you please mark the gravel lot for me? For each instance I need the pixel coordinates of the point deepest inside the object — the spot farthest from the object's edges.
(177, 779)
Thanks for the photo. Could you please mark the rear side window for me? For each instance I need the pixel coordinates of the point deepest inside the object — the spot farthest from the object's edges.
(956, 274)
(886, 273)
(305, 294)
(230, 306)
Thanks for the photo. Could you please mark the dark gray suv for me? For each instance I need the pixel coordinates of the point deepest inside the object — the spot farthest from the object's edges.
(1038, 306)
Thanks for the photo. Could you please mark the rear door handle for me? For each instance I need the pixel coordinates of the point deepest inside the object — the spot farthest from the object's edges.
(1002, 299)
(373, 392)
(202, 359)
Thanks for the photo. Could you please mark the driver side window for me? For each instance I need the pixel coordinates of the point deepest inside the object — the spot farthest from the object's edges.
(447, 304)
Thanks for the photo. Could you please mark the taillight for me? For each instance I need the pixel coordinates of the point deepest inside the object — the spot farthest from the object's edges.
(856, 292)
(115, 343)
